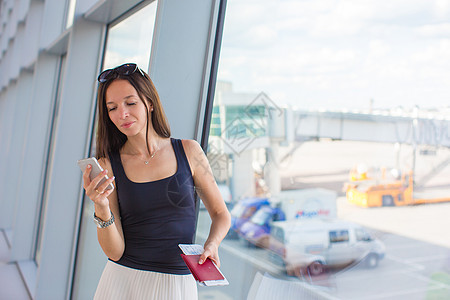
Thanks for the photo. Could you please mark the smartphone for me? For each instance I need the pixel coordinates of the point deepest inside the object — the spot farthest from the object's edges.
(96, 169)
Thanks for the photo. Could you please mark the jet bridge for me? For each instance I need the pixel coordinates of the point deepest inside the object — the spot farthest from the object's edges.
(430, 130)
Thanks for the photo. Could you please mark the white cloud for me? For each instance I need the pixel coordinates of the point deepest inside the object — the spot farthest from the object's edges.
(435, 55)
(441, 9)
(260, 35)
(378, 48)
(434, 30)
(349, 51)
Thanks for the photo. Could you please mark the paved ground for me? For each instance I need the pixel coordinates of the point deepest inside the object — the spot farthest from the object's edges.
(327, 164)
(429, 223)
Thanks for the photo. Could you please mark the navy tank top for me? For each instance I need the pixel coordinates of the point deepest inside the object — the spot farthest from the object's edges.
(156, 216)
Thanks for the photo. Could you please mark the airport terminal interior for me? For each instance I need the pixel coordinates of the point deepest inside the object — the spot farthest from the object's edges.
(326, 125)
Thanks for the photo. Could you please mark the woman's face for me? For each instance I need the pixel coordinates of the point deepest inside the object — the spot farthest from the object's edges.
(125, 109)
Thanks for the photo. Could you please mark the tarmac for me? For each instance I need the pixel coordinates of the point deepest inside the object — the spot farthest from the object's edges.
(327, 164)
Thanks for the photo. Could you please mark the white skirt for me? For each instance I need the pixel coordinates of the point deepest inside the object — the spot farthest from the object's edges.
(122, 283)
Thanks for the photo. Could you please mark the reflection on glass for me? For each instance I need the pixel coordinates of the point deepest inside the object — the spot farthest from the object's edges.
(338, 236)
(70, 13)
(49, 161)
(261, 217)
(330, 127)
(130, 41)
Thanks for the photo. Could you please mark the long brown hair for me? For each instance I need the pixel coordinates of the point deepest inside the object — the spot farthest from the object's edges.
(109, 137)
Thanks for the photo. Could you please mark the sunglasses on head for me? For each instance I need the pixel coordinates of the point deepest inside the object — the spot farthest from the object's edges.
(125, 69)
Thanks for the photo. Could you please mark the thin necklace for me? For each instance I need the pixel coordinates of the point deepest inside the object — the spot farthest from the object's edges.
(151, 156)
(146, 161)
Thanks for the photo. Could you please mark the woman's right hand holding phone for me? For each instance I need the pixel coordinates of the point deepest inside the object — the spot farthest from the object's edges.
(97, 193)
(111, 237)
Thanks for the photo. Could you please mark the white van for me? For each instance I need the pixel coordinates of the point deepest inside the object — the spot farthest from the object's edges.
(330, 242)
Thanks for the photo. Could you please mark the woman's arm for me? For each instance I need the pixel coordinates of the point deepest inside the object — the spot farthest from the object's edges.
(105, 201)
(208, 191)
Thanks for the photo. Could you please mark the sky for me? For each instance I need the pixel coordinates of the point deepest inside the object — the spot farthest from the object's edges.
(136, 30)
(339, 54)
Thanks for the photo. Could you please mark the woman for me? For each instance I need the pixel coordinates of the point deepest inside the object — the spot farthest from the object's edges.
(152, 209)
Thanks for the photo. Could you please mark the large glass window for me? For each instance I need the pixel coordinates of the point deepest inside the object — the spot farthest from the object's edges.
(330, 127)
(129, 39)
(49, 161)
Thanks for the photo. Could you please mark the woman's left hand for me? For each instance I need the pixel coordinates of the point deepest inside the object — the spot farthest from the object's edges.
(212, 252)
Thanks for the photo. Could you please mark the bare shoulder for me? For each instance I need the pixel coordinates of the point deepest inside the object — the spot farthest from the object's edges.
(191, 147)
(195, 155)
(194, 151)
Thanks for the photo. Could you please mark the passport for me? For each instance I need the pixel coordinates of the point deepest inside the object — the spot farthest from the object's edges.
(207, 274)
